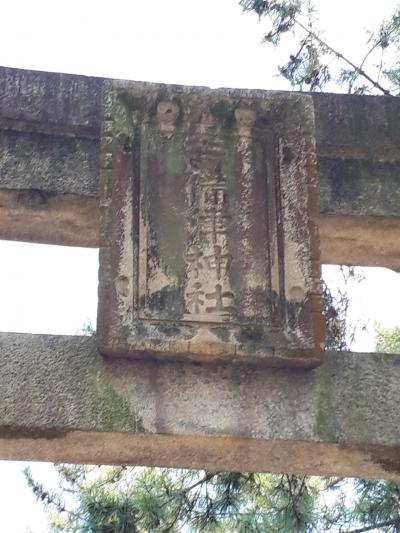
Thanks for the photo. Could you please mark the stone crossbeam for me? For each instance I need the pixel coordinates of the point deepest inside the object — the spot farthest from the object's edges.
(49, 134)
(61, 401)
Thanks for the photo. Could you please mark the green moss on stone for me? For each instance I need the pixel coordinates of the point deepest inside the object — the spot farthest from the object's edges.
(325, 427)
(224, 112)
(173, 153)
(113, 410)
(123, 119)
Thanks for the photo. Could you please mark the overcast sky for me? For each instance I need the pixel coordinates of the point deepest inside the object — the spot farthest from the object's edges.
(208, 42)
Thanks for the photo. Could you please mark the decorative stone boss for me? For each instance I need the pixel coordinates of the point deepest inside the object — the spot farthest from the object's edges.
(209, 248)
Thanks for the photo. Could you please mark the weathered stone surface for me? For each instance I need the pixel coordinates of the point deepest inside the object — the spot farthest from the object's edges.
(364, 241)
(357, 127)
(62, 401)
(358, 141)
(209, 247)
(50, 102)
(366, 187)
(78, 394)
(54, 164)
(34, 215)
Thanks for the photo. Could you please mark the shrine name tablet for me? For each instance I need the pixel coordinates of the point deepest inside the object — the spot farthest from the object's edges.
(209, 248)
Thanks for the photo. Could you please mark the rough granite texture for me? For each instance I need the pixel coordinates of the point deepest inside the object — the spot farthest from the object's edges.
(56, 391)
(50, 99)
(364, 187)
(54, 164)
(366, 125)
(77, 395)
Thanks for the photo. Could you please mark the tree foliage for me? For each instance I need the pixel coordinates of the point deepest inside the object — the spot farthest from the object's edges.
(314, 64)
(93, 499)
(387, 341)
(339, 332)
(121, 499)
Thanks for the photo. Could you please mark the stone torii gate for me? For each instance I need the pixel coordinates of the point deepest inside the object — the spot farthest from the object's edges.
(61, 400)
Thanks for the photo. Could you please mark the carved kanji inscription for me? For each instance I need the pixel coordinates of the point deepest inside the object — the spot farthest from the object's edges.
(208, 244)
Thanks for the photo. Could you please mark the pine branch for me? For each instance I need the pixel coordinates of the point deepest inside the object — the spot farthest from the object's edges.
(339, 55)
(332, 483)
(204, 479)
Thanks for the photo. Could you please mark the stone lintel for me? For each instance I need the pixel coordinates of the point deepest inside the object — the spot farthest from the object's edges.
(50, 102)
(61, 401)
(360, 240)
(31, 215)
(49, 133)
(357, 141)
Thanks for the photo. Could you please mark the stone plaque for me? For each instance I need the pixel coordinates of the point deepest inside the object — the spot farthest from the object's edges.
(208, 246)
